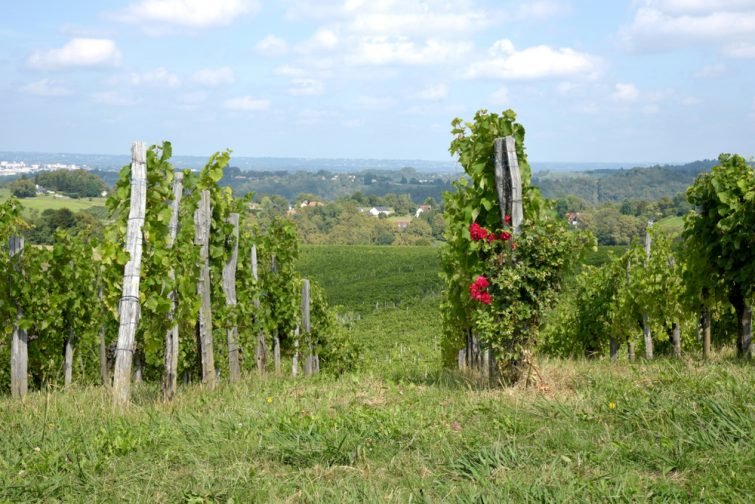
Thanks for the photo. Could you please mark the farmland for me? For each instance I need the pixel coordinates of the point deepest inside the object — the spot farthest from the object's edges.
(400, 428)
(45, 202)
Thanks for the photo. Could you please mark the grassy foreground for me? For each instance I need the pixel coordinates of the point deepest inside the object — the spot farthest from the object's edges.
(662, 432)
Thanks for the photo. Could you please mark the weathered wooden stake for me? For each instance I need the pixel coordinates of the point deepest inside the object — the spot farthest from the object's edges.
(170, 371)
(129, 308)
(260, 353)
(508, 181)
(630, 351)
(648, 337)
(68, 359)
(462, 360)
(676, 338)
(104, 368)
(614, 349)
(19, 347)
(705, 320)
(307, 327)
(295, 360)
(277, 353)
(229, 288)
(202, 219)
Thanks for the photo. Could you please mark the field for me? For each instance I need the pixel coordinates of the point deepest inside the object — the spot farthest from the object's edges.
(400, 429)
(363, 278)
(42, 203)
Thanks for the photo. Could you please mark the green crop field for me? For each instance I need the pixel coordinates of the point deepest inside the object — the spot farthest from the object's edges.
(361, 278)
(400, 428)
(45, 202)
(673, 224)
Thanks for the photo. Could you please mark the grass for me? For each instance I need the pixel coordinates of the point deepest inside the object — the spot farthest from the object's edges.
(45, 202)
(672, 224)
(668, 432)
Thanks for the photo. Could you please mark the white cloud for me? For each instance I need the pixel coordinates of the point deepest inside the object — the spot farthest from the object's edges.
(374, 102)
(700, 6)
(542, 9)
(660, 25)
(306, 87)
(742, 50)
(396, 17)
(159, 77)
(322, 40)
(536, 62)
(626, 92)
(403, 51)
(187, 13)
(271, 46)
(246, 103)
(289, 71)
(691, 101)
(213, 77)
(77, 53)
(44, 87)
(500, 97)
(114, 99)
(433, 92)
(711, 71)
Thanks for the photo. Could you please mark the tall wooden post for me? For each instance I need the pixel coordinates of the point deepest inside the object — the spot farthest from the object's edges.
(170, 371)
(307, 327)
(508, 182)
(202, 220)
(104, 368)
(19, 347)
(260, 353)
(295, 359)
(229, 288)
(129, 308)
(68, 358)
(705, 321)
(648, 337)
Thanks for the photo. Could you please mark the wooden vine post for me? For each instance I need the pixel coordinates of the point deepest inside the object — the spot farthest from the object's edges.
(202, 219)
(129, 308)
(310, 363)
(260, 352)
(104, 368)
(170, 372)
(647, 336)
(508, 182)
(19, 347)
(229, 288)
(276, 336)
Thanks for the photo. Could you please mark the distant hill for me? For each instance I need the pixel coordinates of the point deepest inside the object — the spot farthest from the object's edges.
(599, 186)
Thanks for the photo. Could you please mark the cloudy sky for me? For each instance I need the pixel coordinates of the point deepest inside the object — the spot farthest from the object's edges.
(591, 80)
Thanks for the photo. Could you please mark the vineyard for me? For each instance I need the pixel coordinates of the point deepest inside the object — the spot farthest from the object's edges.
(196, 263)
(196, 353)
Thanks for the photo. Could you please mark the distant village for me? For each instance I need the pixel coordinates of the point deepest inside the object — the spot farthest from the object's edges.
(14, 168)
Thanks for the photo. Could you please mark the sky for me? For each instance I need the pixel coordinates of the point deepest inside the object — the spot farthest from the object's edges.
(590, 80)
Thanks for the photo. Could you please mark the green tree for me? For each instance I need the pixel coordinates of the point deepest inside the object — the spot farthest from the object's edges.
(23, 188)
(721, 233)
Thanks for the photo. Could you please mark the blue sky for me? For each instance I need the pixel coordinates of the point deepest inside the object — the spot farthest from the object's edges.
(592, 80)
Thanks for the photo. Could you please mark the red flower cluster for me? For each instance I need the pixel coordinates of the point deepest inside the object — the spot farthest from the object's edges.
(477, 290)
(507, 219)
(478, 233)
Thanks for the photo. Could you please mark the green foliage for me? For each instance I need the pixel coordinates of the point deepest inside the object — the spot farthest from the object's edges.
(74, 183)
(719, 236)
(522, 277)
(23, 188)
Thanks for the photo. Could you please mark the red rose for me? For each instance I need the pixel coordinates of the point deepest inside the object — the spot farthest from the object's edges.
(485, 298)
(505, 236)
(477, 290)
(477, 232)
(507, 219)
